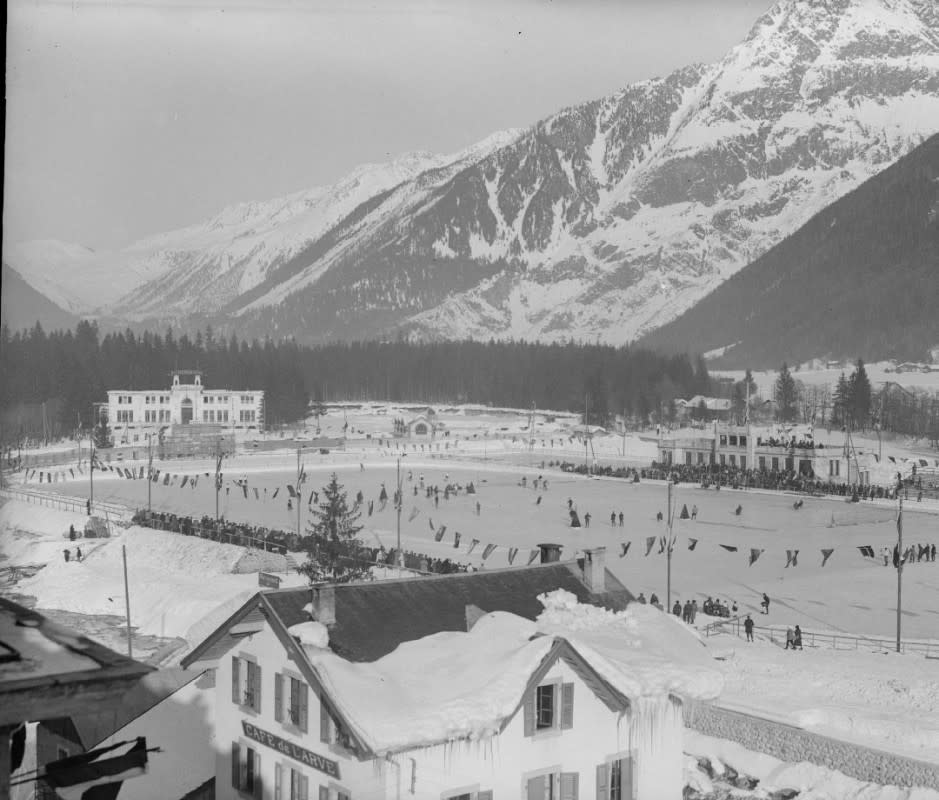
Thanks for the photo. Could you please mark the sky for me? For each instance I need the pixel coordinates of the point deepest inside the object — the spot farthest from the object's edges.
(125, 119)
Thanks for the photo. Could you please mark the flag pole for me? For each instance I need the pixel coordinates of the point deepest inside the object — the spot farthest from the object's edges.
(899, 563)
(398, 555)
(668, 554)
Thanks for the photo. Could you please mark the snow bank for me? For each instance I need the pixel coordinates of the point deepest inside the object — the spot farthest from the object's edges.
(311, 634)
(456, 685)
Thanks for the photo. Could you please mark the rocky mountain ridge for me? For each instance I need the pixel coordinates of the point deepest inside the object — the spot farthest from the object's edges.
(603, 221)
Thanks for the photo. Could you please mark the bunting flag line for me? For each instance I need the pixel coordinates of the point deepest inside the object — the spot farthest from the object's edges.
(729, 548)
(692, 544)
(625, 548)
(456, 538)
(792, 558)
(487, 551)
(755, 553)
(826, 554)
(74, 777)
(867, 551)
(513, 551)
(650, 543)
(532, 556)
(472, 546)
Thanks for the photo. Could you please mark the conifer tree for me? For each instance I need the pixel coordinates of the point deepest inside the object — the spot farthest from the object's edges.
(335, 553)
(842, 400)
(860, 395)
(785, 395)
(102, 435)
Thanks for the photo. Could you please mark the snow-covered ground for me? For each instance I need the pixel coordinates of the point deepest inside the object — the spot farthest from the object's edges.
(183, 586)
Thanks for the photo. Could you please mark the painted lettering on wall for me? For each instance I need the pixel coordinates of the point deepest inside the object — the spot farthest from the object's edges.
(295, 752)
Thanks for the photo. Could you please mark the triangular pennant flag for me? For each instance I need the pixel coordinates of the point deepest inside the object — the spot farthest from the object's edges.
(309, 502)
(257, 496)
(754, 555)
(430, 521)
(650, 543)
(867, 551)
(185, 481)
(79, 468)
(487, 551)
(438, 536)
(73, 777)
(729, 548)
(194, 480)
(472, 546)
(625, 548)
(684, 512)
(40, 476)
(513, 551)
(72, 471)
(661, 545)
(273, 496)
(792, 558)
(692, 544)
(166, 479)
(293, 492)
(532, 556)
(826, 554)
(414, 512)
(456, 538)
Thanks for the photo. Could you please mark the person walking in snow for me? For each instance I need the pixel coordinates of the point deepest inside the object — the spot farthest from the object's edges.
(686, 612)
(748, 627)
(621, 519)
(612, 519)
(68, 555)
(694, 512)
(78, 554)
(797, 638)
(676, 609)
(694, 610)
(640, 599)
(790, 639)
(587, 520)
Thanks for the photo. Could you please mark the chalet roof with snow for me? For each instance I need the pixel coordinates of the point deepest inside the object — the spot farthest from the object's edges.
(47, 670)
(372, 619)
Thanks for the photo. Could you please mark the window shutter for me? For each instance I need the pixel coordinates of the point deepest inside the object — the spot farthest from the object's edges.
(324, 793)
(236, 765)
(626, 770)
(257, 687)
(603, 791)
(528, 710)
(258, 783)
(278, 782)
(487, 795)
(304, 787)
(304, 706)
(324, 720)
(278, 697)
(567, 705)
(536, 787)
(569, 785)
(235, 682)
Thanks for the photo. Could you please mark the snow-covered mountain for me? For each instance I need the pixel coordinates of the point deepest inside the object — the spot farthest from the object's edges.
(603, 221)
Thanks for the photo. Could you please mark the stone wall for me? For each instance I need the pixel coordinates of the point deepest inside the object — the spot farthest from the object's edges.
(791, 744)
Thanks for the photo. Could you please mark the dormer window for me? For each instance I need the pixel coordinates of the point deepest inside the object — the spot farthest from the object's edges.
(548, 707)
(545, 707)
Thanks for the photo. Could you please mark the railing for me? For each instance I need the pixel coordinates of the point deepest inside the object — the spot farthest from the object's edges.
(834, 641)
(66, 503)
(235, 538)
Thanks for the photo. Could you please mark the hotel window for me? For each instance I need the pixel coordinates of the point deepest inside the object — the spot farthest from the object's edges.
(554, 786)
(245, 683)
(290, 783)
(615, 779)
(775, 463)
(246, 770)
(549, 707)
(743, 462)
(332, 730)
(743, 441)
(733, 460)
(700, 458)
(723, 440)
(333, 793)
(733, 440)
(762, 462)
(474, 795)
(723, 459)
(290, 701)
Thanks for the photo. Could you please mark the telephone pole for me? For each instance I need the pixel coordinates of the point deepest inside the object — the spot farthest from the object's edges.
(149, 468)
(91, 477)
(299, 490)
(398, 555)
(668, 555)
(899, 562)
(130, 646)
(218, 473)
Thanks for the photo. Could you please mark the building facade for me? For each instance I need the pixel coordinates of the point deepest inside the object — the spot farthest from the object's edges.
(133, 414)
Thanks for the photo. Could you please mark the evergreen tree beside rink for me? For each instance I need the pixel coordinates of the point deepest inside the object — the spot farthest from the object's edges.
(336, 554)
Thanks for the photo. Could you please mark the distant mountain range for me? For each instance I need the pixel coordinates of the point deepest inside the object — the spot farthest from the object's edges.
(21, 306)
(860, 278)
(602, 222)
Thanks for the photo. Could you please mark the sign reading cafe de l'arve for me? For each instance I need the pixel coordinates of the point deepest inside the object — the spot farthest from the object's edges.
(295, 752)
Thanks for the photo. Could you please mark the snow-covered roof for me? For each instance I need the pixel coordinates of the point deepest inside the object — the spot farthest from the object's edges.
(456, 685)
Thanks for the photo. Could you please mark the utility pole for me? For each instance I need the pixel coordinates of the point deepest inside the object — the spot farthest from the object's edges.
(149, 468)
(91, 477)
(624, 431)
(899, 562)
(398, 555)
(130, 646)
(668, 555)
(299, 490)
(586, 435)
(218, 473)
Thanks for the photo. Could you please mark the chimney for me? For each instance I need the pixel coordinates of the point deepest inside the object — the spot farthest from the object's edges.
(324, 604)
(595, 569)
(550, 553)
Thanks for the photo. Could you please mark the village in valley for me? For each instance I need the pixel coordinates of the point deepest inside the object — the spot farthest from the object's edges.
(470, 400)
